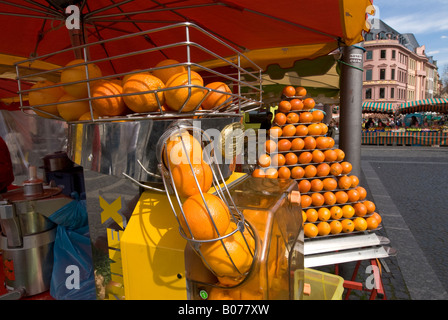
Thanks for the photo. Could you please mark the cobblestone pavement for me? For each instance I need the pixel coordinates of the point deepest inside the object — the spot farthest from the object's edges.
(408, 186)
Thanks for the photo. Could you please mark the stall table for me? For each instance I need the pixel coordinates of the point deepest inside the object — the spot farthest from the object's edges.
(423, 138)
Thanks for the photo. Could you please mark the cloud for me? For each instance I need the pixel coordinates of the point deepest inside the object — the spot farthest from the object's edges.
(419, 23)
(444, 37)
(433, 52)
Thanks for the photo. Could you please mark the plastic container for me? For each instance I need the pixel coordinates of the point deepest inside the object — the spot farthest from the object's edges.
(323, 286)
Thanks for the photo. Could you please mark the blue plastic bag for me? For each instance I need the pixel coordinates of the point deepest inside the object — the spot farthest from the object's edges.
(73, 274)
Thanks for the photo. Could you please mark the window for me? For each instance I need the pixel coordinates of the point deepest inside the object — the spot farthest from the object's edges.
(369, 55)
(392, 74)
(368, 74)
(383, 54)
(393, 54)
(382, 93)
(392, 93)
(369, 93)
(382, 74)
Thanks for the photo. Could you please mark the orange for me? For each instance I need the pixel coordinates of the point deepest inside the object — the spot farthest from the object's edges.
(377, 217)
(113, 106)
(184, 178)
(324, 214)
(322, 142)
(305, 201)
(303, 217)
(275, 132)
(323, 228)
(340, 155)
(291, 158)
(72, 111)
(362, 192)
(335, 169)
(360, 209)
(176, 152)
(346, 167)
(306, 117)
(318, 156)
(336, 212)
(310, 171)
(316, 185)
(201, 224)
(270, 146)
(79, 90)
(331, 143)
(240, 249)
(323, 170)
(284, 173)
(324, 128)
(289, 91)
(45, 96)
(360, 224)
(165, 74)
(312, 215)
(355, 181)
(314, 129)
(297, 144)
(145, 102)
(310, 230)
(347, 226)
(297, 172)
(289, 130)
(344, 182)
(271, 173)
(330, 198)
(301, 130)
(278, 160)
(280, 119)
(341, 197)
(264, 160)
(284, 106)
(189, 94)
(88, 116)
(304, 186)
(310, 143)
(330, 184)
(296, 104)
(348, 211)
(300, 91)
(336, 227)
(330, 155)
(305, 157)
(370, 206)
(308, 103)
(317, 115)
(353, 195)
(220, 96)
(317, 199)
(292, 117)
(258, 173)
(284, 145)
(372, 223)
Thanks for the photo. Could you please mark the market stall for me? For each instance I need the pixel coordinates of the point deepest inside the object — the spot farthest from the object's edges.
(139, 250)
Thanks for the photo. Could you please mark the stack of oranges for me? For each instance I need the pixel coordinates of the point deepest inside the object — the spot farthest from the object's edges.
(169, 88)
(332, 200)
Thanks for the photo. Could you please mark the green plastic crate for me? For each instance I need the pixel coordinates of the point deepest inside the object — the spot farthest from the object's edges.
(324, 286)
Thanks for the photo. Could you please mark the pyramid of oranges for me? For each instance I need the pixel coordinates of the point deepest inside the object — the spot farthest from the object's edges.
(331, 198)
(168, 88)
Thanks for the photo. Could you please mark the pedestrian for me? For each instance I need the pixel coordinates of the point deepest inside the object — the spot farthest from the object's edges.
(414, 121)
(6, 171)
(267, 122)
(369, 123)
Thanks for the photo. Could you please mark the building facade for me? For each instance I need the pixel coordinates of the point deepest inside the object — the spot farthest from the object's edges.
(396, 67)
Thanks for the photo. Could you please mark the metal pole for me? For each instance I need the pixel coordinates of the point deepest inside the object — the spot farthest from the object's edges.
(351, 105)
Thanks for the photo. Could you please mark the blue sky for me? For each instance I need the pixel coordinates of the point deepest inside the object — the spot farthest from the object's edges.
(426, 19)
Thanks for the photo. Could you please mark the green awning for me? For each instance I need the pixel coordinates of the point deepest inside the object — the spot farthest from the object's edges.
(426, 105)
(377, 107)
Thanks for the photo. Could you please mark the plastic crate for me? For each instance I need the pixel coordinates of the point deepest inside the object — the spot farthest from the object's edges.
(324, 286)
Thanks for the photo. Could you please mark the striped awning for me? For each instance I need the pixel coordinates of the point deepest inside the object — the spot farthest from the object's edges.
(427, 105)
(377, 107)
